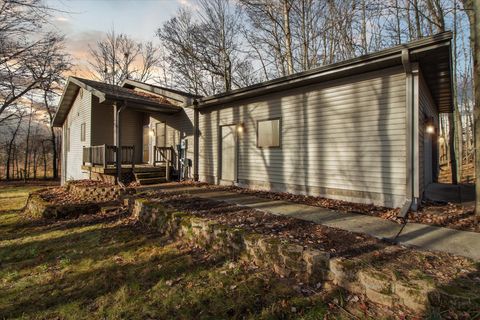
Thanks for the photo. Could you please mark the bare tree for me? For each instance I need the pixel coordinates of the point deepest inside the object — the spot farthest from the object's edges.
(206, 51)
(119, 57)
(24, 49)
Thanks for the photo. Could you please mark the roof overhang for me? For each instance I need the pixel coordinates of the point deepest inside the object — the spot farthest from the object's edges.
(432, 53)
(71, 90)
(186, 99)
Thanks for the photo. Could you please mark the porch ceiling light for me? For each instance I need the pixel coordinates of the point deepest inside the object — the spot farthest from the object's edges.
(430, 126)
(240, 128)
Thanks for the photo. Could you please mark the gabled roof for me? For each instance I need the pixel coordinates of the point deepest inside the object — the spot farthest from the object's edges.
(109, 93)
(177, 95)
(432, 53)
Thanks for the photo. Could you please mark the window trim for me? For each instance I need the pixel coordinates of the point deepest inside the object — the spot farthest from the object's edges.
(164, 123)
(83, 132)
(280, 140)
(67, 139)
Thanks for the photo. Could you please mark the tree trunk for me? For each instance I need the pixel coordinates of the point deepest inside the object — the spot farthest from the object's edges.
(452, 146)
(11, 151)
(472, 8)
(475, 34)
(288, 34)
(27, 143)
(44, 162)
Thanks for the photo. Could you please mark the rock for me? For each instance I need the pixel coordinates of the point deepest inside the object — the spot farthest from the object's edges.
(385, 299)
(413, 296)
(375, 280)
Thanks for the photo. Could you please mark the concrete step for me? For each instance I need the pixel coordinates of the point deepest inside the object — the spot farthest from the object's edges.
(144, 175)
(151, 180)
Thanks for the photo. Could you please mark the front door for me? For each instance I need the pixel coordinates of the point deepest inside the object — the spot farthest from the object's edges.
(228, 153)
(146, 144)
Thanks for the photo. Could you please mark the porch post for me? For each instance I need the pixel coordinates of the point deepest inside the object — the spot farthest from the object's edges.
(117, 138)
(195, 140)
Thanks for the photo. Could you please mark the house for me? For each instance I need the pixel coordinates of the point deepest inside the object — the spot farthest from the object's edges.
(362, 130)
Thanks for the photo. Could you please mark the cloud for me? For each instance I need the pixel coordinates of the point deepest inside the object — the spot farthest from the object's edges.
(61, 19)
(188, 3)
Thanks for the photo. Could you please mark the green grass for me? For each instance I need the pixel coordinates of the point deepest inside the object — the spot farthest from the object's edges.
(111, 269)
(14, 197)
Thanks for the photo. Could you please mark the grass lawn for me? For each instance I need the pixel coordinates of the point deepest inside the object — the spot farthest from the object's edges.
(107, 267)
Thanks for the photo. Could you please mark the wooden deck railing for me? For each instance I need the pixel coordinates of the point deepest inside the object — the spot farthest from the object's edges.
(164, 155)
(105, 155)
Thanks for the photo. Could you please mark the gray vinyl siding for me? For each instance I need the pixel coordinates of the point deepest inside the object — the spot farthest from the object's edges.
(427, 109)
(131, 126)
(102, 123)
(343, 139)
(179, 126)
(130, 123)
(79, 113)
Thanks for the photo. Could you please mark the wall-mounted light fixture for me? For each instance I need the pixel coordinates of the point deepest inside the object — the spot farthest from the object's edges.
(430, 126)
(240, 128)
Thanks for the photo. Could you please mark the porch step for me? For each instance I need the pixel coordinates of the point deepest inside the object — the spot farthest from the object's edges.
(144, 175)
(149, 169)
(146, 181)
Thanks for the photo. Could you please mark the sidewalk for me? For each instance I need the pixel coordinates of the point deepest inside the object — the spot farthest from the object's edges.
(426, 237)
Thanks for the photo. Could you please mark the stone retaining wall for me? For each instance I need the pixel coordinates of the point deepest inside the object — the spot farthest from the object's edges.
(36, 207)
(98, 193)
(288, 259)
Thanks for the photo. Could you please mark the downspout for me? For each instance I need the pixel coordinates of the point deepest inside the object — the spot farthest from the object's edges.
(409, 186)
(196, 134)
(117, 139)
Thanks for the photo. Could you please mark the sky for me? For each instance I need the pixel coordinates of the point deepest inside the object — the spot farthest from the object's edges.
(86, 21)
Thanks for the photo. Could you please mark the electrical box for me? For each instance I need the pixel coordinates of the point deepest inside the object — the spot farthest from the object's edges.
(183, 144)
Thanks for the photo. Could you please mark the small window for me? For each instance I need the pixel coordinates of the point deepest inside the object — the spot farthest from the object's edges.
(268, 133)
(67, 139)
(82, 132)
(160, 134)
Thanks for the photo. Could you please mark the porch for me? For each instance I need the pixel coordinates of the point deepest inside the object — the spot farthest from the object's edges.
(103, 160)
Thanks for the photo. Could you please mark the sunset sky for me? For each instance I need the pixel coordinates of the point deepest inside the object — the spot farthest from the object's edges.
(86, 21)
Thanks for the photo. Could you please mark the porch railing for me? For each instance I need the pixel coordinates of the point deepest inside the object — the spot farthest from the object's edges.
(164, 155)
(105, 155)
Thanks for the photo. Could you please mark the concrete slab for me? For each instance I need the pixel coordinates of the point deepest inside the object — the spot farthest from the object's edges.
(426, 237)
(457, 242)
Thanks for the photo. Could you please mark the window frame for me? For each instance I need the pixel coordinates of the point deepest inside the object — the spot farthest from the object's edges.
(164, 129)
(83, 132)
(67, 139)
(279, 133)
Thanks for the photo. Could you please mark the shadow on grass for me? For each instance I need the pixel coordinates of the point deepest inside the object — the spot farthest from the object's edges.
(85, 287)
(23, 226)
(117, 270)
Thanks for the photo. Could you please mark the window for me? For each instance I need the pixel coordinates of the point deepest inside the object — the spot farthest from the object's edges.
(160, 134)
(82, 132)
(268, 133)
(67, 139)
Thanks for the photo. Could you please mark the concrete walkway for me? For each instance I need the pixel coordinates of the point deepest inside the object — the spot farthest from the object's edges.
(427, 237)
